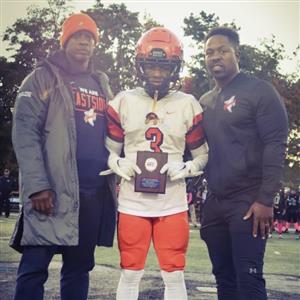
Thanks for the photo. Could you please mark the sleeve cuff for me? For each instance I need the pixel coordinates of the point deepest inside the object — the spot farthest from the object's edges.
(266, 198)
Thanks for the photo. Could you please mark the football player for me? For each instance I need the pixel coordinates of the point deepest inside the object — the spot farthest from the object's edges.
(156, 117)
(279, 212)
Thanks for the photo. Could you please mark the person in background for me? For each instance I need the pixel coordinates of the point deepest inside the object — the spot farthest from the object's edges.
(191, 199)
(298, 213)
(292, 207)
(7, 185)
(58, 135)
(245, 123)
(155, 118)
(285, 224)
(279, 212)
(201, 196)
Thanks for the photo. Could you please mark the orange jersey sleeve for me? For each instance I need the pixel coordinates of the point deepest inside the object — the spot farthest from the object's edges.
(195, 136)
(114, 128)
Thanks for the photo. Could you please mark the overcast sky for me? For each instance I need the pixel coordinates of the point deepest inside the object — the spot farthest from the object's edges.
(257, 19)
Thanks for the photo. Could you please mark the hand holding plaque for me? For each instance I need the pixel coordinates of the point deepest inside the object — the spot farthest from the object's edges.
(151, 180)
(121, 166)
(181, 170)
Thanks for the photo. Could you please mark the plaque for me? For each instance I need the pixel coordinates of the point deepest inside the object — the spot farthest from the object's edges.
(150, 180)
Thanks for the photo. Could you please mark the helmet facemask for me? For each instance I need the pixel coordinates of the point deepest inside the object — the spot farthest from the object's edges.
(161, 48)
(173, 67)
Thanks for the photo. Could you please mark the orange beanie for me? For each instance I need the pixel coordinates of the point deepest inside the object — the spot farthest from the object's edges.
(75, 23)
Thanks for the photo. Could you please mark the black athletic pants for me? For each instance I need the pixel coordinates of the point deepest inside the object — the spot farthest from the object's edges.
(236, 256)
(5, 205)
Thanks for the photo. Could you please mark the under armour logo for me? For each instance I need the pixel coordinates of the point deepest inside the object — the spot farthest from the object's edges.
(252, 270)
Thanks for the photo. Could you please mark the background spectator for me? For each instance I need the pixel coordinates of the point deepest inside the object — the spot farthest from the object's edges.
(7, 185)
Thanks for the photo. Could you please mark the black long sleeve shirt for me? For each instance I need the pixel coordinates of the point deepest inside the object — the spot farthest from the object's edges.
(246, 129)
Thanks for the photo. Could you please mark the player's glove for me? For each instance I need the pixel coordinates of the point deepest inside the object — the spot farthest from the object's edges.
(179, 170)
(122, 166)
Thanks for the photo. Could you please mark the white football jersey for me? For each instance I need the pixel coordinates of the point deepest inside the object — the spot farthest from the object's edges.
(142, 124)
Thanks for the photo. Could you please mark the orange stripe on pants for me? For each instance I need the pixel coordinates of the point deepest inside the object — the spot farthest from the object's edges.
(170, 235)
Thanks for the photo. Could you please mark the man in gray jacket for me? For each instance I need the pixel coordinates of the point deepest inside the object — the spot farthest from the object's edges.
(58, 136)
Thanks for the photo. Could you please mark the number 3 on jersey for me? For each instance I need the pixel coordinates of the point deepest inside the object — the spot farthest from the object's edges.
(154, 135)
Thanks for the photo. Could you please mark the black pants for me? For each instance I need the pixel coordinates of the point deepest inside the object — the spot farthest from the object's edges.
(5, 206)
(77, 260)
(236, 256)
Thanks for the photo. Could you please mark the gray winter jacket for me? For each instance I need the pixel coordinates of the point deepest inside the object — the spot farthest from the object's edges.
(44, 139)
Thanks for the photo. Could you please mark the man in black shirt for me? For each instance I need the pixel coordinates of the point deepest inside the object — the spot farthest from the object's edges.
(246, 128)
(292, 207)
(7, 185)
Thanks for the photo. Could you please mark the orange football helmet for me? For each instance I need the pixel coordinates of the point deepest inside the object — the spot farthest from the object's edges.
(159, 45)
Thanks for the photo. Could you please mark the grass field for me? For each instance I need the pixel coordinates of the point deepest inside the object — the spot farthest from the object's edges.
(282, 266)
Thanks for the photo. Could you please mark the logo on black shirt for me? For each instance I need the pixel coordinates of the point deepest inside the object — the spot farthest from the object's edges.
(90, 102)
(229, 104)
